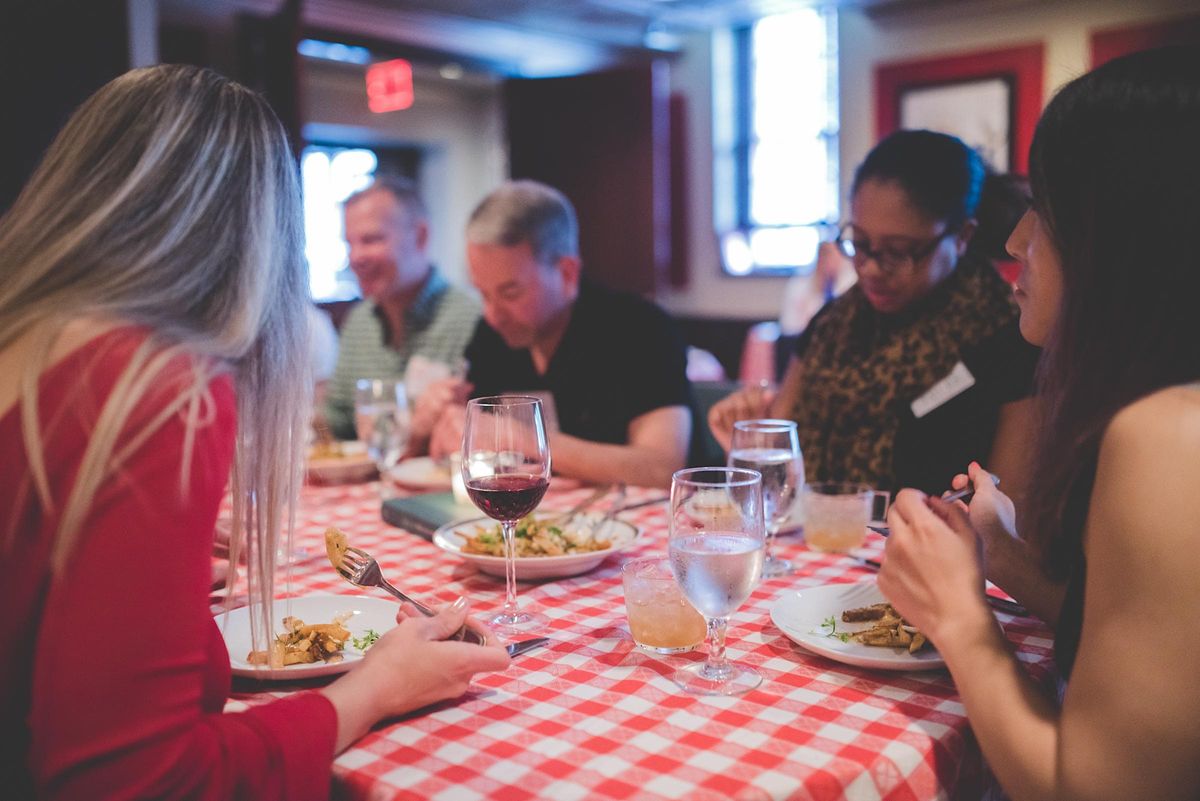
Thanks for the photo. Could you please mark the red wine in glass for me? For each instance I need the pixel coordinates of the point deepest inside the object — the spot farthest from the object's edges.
(509, 496)
(506, 470)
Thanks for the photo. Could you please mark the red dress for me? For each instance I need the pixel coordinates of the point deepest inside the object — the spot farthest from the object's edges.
(114, 674)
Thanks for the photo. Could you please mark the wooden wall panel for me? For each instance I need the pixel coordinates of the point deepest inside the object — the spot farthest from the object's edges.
(53, 55)
(602, 140)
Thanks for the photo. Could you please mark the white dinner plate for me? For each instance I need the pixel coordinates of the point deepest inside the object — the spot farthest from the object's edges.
(367, 613)
(800, 613)
(450, 538)
(421, 472)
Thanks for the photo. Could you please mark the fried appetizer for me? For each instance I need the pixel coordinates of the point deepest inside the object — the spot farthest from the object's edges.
(303, 643)
(335, 546)
(890, 629)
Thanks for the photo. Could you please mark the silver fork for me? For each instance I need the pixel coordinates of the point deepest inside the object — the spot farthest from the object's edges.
(614, 507)
(561, 520)
(361, 569)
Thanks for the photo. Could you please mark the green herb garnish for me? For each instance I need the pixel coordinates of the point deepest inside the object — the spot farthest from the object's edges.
(829, 624)
(366, 641)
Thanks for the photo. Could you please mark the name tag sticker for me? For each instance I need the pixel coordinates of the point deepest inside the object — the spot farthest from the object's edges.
(956, 383)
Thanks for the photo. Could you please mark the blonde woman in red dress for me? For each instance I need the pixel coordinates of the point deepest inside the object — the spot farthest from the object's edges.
(153, 342)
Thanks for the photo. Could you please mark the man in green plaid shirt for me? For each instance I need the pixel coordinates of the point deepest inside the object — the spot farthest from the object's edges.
(408, 308)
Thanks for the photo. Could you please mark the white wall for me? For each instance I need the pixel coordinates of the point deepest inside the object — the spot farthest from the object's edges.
(1063, 26)
(457, 124)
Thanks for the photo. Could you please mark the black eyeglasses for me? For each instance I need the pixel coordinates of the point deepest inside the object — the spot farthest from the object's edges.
(890, 261)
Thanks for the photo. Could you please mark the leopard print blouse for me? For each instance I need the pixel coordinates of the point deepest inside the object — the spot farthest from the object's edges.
(861, 368)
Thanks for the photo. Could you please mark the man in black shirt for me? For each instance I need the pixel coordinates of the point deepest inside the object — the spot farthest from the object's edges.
(613, 363)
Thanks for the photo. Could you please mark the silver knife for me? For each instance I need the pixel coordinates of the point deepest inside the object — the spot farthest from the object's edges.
(640, 504)
(518, 648)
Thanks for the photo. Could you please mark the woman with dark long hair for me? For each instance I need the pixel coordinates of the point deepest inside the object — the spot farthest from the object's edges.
(1109, 284)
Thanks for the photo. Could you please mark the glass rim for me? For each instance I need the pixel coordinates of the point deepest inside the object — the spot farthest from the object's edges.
(839, 487)
(504, 400)
(737, 476)
(765, 425)
(649, 559)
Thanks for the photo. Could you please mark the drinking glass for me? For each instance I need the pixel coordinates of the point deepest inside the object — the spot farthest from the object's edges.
(837, 514)
(506, 467)
(772, 448)
(716, 551)
(381, 418)
(660, 618)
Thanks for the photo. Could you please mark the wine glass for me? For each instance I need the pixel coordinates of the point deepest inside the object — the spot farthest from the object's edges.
(506, 467)
(772, 448)
(381, 419)
(716, 549)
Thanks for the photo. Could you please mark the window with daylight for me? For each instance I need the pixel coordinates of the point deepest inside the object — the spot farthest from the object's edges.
(776, 181)
(329, 175)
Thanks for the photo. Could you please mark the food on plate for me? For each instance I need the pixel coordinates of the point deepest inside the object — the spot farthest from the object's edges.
(864, 613)
(533, 537)
(326, 449)
(890, 630)
(335, 546)
(339, 463)
(304, 643)
(366, 641)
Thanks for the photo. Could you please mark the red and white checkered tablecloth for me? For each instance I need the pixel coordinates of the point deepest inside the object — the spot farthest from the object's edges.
(590, 716)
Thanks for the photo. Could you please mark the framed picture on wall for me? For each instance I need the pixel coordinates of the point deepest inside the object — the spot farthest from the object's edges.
(990, 99)
(979, 112)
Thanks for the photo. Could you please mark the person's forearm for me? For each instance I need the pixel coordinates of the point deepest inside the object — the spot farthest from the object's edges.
(600, 463)
(1014, 721)
(1013, 567)
(355, 705)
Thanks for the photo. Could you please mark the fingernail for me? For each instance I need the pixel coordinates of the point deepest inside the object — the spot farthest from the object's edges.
(460, 604)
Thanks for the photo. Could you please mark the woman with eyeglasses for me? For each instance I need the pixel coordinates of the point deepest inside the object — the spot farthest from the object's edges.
(919, 368)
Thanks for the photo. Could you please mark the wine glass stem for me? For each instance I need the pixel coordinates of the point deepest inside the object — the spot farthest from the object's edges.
(717, 665)
(771, 529)
(509, 527)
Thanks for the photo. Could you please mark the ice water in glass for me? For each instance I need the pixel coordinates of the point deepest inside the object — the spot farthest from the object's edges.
(716, 549)
(381, 419)
(772, 448)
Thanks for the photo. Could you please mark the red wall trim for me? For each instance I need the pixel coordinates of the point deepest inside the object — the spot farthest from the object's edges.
(1109, 43)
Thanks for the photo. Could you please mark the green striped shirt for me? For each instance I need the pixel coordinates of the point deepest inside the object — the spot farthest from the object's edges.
(437, 325)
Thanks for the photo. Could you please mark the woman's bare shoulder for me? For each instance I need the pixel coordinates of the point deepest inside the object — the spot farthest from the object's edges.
(1167, 419)
(1148, 475)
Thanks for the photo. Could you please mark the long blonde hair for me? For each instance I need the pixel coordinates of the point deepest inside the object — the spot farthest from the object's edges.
(170, 200)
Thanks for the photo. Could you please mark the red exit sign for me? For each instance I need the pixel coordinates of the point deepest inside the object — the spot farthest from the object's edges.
(389, 86)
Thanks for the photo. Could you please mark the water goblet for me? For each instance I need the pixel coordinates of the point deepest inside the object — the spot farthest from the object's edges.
(716, 551)
(381, 419)
(773, 449)
(506, 469)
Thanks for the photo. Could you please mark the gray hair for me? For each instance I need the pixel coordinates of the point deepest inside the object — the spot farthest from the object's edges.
(527, 212)
(404, 190)
(170, 200)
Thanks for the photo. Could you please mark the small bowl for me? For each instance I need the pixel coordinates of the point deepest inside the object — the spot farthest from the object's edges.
(353, 466)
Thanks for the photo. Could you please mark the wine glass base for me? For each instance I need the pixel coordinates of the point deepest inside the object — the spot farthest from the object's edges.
(520, 623)
(737, 679)
(774, 567)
